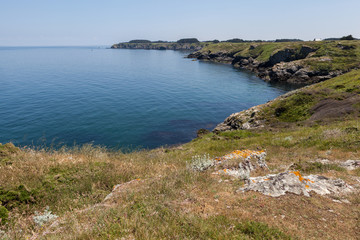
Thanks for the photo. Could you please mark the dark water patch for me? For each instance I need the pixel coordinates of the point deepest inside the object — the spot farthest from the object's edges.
(175, 132)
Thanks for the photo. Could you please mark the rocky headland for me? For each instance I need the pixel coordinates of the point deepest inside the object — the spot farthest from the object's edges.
(159, 46)
(292, 62)
(189, 44)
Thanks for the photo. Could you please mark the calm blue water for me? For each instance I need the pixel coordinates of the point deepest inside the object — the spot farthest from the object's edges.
(117, 98)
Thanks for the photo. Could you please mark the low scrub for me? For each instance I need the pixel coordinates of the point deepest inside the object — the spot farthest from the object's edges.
(315, 167)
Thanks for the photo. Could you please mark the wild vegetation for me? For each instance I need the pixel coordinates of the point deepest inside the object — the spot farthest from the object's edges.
(336, 98)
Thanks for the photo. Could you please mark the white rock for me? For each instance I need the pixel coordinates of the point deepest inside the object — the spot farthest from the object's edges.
(248, 161)
(350, 164)
(276, 185)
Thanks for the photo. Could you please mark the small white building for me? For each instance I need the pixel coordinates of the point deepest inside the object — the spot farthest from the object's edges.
(317, 39)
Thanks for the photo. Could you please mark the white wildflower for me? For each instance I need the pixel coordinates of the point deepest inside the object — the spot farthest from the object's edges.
(41, 219)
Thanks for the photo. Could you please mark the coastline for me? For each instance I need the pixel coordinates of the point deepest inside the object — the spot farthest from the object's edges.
(191, 186)
(300, 63)
(160, 46)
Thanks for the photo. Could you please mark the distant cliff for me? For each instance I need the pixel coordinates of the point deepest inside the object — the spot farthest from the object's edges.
(191, 44)
(160, 46)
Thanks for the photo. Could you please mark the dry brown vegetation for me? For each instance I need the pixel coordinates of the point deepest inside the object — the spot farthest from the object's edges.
(171, 201)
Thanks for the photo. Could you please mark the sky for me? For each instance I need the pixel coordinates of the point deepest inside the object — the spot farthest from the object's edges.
(95, 22)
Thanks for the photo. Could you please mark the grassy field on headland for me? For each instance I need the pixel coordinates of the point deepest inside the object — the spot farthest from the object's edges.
(163, 198)
(342, 55)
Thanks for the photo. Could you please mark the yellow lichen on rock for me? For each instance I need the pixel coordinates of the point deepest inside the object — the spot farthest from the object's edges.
(241, 154)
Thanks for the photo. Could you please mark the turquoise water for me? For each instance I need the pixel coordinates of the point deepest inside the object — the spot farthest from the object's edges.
(117, 98)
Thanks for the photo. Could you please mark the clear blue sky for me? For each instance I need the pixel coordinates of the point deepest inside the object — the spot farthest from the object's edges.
(95, 22)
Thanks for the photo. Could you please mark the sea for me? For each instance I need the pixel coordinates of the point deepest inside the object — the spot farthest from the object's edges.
(118, 98)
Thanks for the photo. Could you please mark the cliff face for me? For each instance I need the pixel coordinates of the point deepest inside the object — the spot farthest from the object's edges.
(160, 46)
(303, 63)
(283, 66)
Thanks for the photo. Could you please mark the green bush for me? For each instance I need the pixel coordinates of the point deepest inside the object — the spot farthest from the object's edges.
(4, 214)
(15, 197)
(188, 40)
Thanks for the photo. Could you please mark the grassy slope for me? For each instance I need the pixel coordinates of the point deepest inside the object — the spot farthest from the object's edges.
(301, 106)
(339, 58)
(171, 201)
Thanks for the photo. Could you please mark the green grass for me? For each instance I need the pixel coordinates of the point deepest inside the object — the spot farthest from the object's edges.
(238, 134)
(349, 82)
(298, 107)
(336, 58)
(263, 52)
(231, 48)
(315, 167)
(167, 224)
(295, 108)
(299, 137)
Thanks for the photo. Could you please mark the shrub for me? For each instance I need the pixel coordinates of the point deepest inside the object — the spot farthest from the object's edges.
(235, 40)
(15, 197)
(140, 41)
(349, 37)
(4, 214)
(41, 219)
(201, 162)
(188, 40)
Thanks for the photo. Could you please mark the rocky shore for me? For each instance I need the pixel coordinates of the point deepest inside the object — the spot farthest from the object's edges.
(285, 65)
(292, 62)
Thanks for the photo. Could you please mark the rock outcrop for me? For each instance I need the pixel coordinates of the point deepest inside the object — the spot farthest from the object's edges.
(350, 164)
(250, 118)
(243, 120)
(296, 72)
(286, 65)
(276, 185)
(240, 163)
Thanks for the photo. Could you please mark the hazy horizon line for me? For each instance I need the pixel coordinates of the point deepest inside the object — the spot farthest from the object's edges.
(170, 41)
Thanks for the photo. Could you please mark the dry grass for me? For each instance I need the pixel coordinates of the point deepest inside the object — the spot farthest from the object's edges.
(171, 201)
